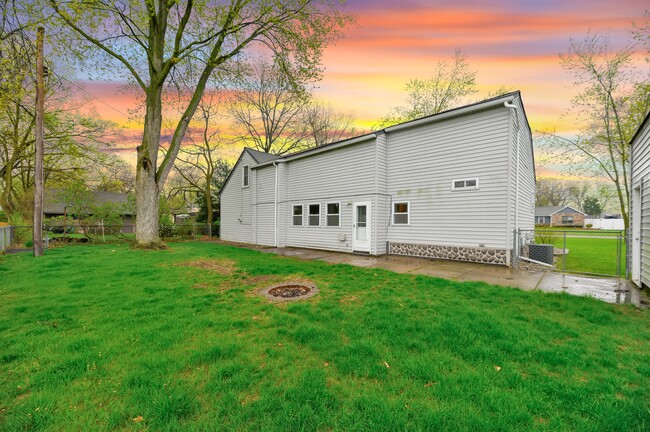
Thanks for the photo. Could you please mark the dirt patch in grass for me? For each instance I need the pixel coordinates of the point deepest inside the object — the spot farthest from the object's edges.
(222, 266)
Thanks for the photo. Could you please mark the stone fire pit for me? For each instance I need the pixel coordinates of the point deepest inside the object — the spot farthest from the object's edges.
(289, 291)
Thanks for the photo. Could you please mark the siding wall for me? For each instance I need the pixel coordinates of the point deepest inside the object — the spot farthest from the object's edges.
(641, 178)
(236, 204)
(263, 206)
(344, 175)
(422, 163)
(522, 203)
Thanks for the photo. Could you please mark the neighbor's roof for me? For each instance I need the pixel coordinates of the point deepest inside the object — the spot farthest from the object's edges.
(52, 204)
(551, 210)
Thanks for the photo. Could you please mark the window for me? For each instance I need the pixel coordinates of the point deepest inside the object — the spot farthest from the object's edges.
(567, 219)
(401, 214)
(314, 215)
(244, 178)
(465, 184)
(297, 215)
(333, 214)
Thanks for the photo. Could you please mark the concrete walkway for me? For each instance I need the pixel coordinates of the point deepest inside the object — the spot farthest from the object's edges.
(610, 290)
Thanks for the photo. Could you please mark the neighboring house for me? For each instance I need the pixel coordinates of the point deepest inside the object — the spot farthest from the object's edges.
(640, 204)
(53, 206)
(559, 216)
(454, 185)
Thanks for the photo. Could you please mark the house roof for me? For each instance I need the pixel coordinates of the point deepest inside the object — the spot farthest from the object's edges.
(264, 159)
(551, 210)
(52, 203)
(411, 123)
(641, 126)
(261, 157)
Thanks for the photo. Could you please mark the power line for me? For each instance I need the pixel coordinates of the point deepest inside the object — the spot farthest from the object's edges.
(94, 97)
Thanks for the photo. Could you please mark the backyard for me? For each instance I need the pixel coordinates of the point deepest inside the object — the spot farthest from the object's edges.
(106, 337)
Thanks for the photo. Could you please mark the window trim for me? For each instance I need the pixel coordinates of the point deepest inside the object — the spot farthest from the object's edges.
(332, 214)
(309, 215)
(465, 180)
(408, 213)
(245, 176)
(302, 215)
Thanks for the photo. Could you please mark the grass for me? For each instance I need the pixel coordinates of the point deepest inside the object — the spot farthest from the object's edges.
(592, 252)
(103, 337)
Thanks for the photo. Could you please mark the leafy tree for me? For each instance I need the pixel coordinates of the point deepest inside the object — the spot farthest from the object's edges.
(150, 40)
(451, 83)
(591, 206)
(613, 100)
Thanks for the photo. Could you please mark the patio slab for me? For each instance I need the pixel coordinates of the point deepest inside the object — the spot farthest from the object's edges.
(610, 290)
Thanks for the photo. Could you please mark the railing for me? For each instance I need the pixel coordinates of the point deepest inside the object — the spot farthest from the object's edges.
(5, 238)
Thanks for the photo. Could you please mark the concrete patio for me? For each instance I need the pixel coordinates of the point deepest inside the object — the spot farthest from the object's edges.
(610, 290)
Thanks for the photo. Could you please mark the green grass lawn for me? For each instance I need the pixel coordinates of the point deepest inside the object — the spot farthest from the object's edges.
(589, 251)
(110, 338)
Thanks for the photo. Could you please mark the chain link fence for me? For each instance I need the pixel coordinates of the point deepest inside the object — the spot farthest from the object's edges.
(21, 237)
(596, 252)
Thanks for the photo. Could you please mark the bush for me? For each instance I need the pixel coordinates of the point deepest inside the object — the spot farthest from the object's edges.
(589, 226)
(3, 216)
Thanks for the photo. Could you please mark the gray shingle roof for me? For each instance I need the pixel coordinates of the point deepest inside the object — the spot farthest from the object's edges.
(261, 157)
(551, 210)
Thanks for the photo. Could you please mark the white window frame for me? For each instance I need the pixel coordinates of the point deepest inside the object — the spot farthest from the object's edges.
(302, 214)
(332, 214)
(454, 188)
(309, 214)
(245, 176)
(408, 213)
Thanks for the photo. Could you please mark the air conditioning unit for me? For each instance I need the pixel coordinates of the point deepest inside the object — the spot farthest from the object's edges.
(541, 252)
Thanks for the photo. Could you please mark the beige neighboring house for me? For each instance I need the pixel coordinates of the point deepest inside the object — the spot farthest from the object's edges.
(559, 216)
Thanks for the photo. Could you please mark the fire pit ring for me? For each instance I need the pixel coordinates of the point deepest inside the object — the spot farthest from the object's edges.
(289, 291)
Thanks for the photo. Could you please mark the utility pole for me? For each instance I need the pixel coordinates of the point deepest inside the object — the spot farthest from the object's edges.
(39, 145)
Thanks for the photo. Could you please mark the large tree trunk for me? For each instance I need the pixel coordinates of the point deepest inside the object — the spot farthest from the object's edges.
(208, 202)
(146, 184)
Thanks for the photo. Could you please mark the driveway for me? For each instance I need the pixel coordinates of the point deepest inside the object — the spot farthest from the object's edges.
(610, 290)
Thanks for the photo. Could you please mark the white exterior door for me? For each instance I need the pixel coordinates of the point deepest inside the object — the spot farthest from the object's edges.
(361, 227)
(636, 236)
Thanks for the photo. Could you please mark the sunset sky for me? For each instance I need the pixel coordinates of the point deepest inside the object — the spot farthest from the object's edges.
(512, 43)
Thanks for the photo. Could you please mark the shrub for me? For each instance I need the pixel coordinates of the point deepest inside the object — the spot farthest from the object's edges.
(3, 216)
(589, 226)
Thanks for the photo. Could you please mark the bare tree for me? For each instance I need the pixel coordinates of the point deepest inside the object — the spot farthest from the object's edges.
(324, 125)
(148, 42)
(551, 192)
(268, 107)
(198, 162)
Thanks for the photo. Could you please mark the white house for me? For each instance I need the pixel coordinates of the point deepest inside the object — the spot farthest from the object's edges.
(454, 185)
(640, 204)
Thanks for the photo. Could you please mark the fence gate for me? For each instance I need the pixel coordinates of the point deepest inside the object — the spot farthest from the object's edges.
(595, 252)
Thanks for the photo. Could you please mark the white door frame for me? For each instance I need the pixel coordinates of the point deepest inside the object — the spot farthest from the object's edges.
(362, 245)
(636, 235)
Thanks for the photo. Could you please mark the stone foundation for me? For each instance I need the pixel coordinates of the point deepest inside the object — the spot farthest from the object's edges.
(479, 255)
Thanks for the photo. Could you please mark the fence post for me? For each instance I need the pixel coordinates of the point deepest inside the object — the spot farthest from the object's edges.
(618, 254)
(515, 247)
(564, 254)
(627, 253)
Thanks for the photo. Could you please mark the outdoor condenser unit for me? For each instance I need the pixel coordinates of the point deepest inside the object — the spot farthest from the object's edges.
(541, 252)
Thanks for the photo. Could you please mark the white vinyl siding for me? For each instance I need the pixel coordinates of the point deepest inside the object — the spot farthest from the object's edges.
(263, 199)
(422, 162)
(641, 179)
(236, 205)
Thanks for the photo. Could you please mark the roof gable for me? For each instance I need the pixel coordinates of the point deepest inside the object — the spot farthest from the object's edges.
(551, 210)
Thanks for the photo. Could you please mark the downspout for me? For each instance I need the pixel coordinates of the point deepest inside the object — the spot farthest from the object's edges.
(275, 208)
(512, 105)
